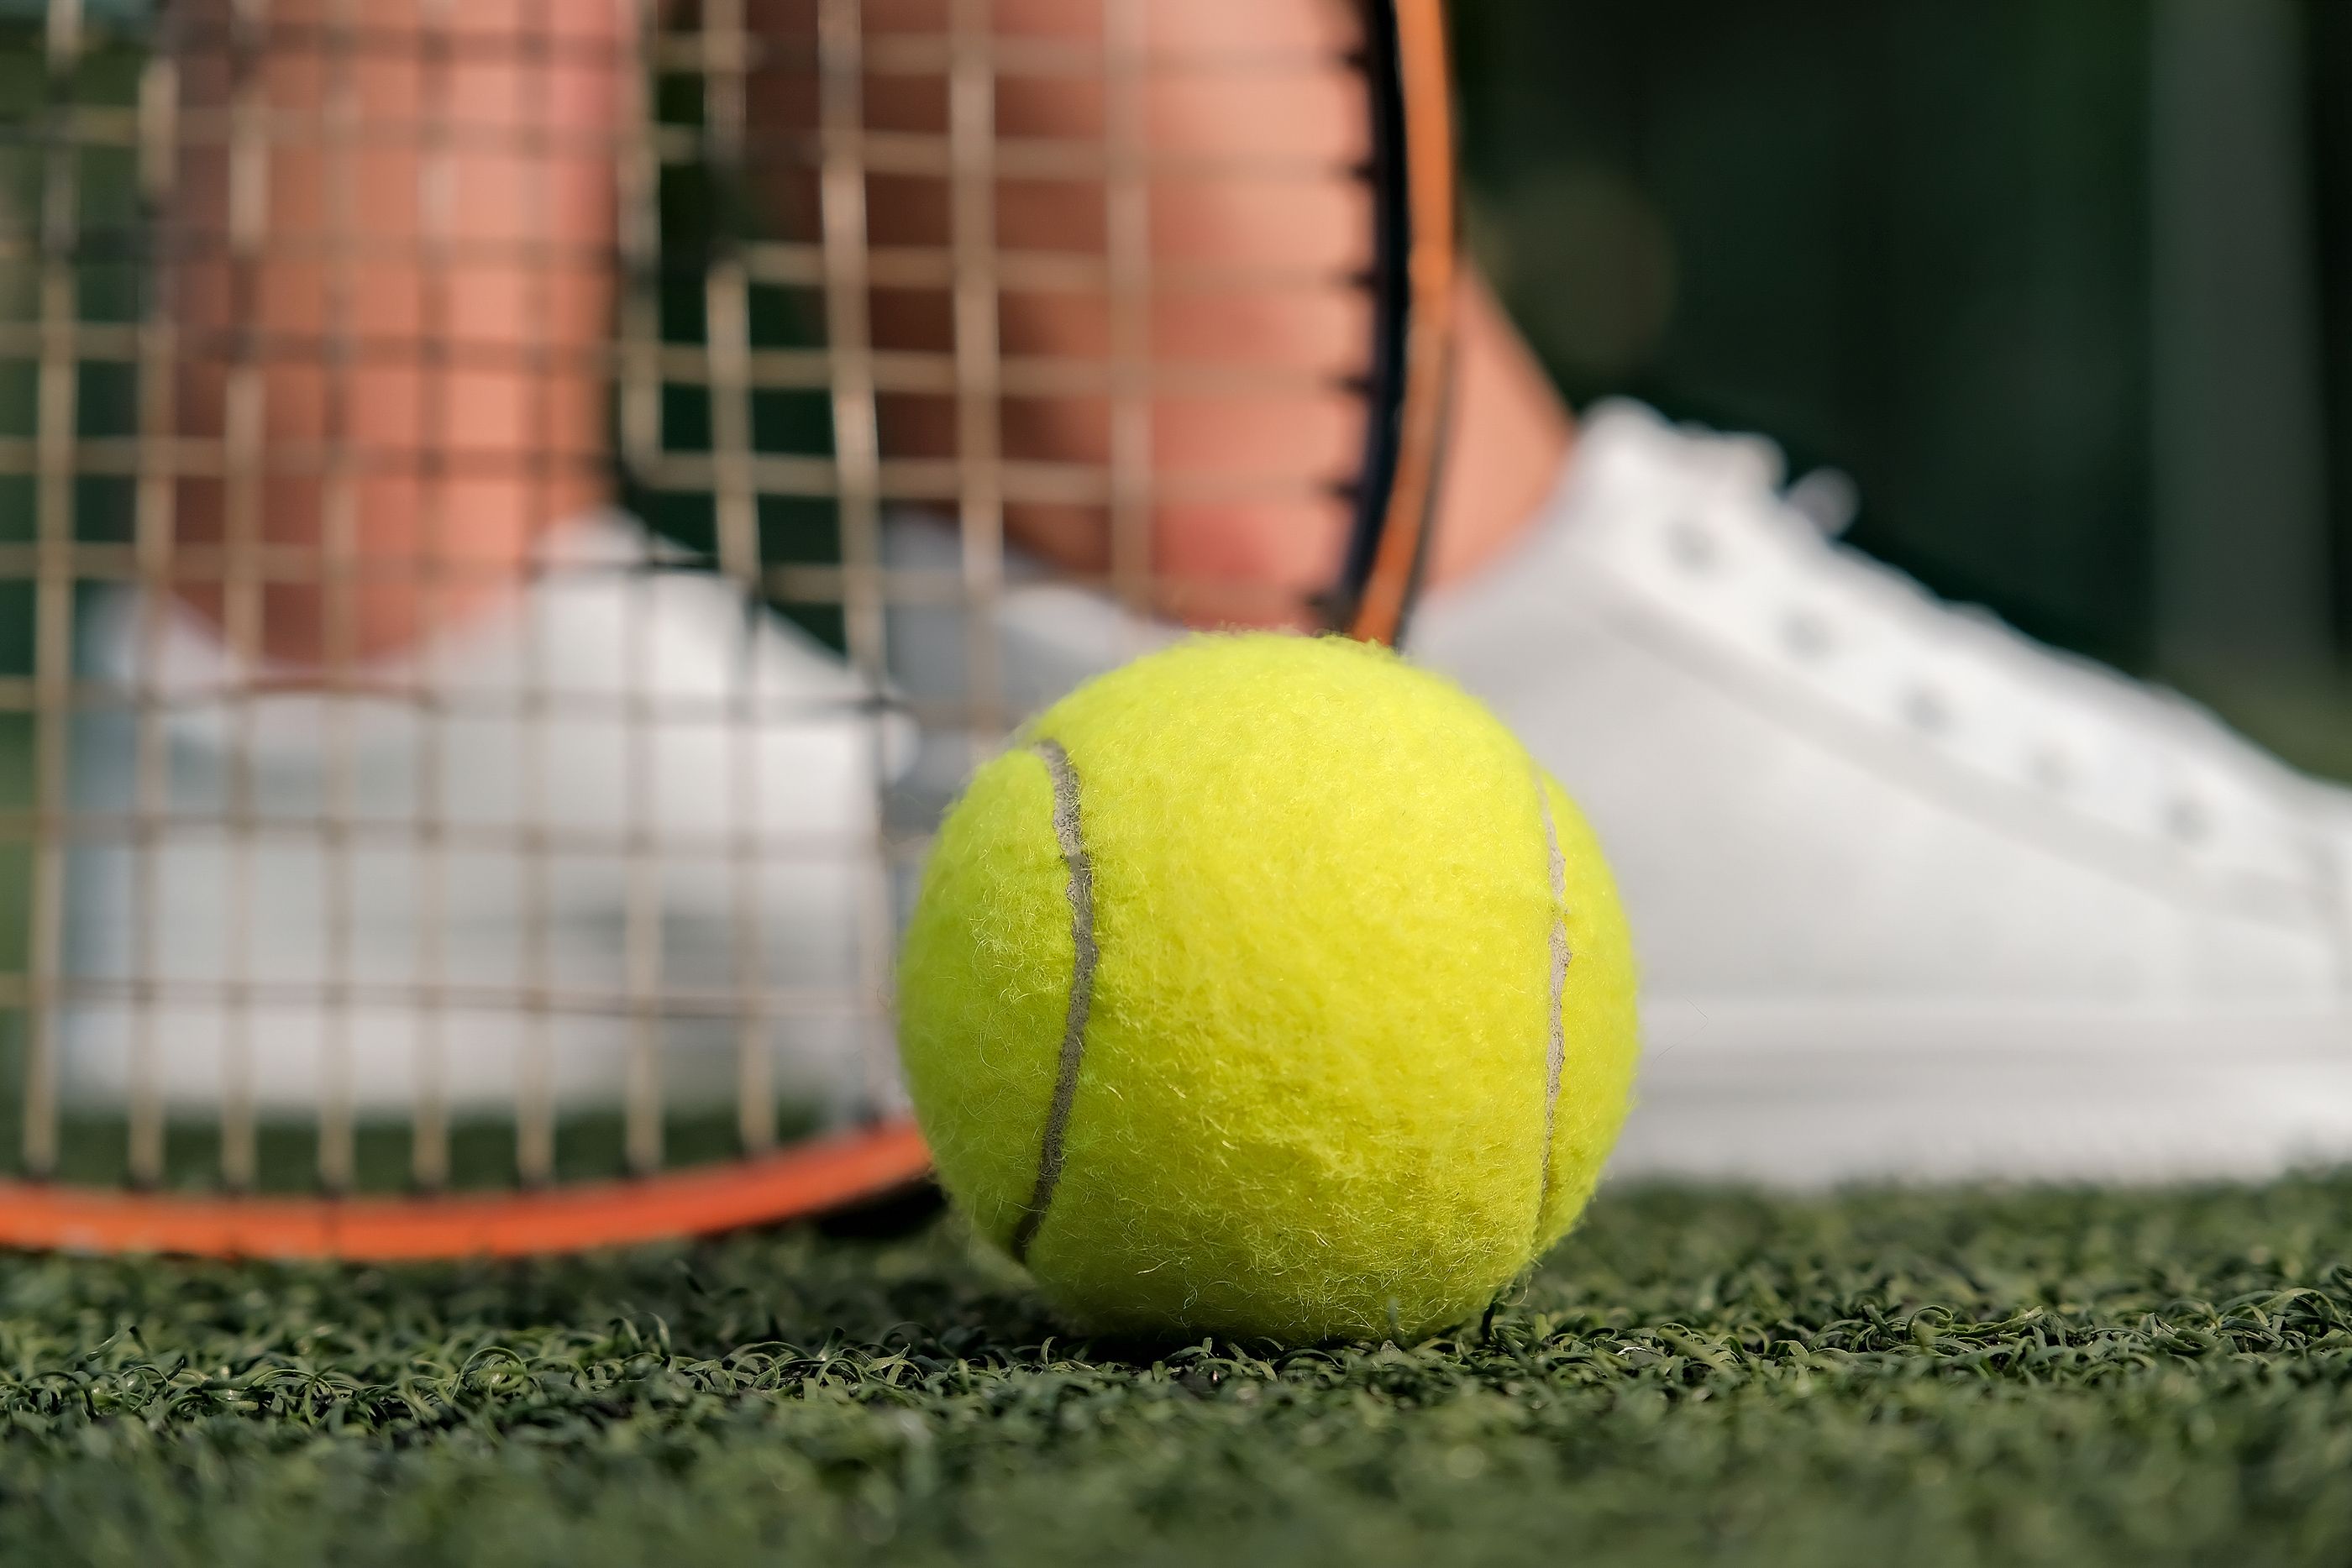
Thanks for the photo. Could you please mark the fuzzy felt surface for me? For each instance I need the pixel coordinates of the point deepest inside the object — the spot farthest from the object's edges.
(1312, 1095)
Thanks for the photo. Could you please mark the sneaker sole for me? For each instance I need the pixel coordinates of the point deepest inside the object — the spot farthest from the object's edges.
(1814, 1095)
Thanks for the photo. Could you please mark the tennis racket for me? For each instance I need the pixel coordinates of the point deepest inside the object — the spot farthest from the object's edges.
(517, 516)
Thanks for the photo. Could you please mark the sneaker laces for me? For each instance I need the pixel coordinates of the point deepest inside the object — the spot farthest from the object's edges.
(1879, 640)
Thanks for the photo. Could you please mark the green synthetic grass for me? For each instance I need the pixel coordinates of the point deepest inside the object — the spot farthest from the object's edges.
(1999, 1379)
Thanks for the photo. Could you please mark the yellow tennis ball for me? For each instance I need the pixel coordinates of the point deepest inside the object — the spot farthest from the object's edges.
(1267, 986)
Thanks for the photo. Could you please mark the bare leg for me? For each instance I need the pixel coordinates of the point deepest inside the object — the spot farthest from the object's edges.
(1215, 556)
(390, 259)
(1510, 434)
(407, 307)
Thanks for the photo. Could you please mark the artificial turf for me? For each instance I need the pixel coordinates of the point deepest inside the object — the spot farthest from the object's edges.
(1695, 1376)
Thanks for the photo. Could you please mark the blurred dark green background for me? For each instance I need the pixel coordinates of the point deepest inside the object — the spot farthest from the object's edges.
(2064, 285)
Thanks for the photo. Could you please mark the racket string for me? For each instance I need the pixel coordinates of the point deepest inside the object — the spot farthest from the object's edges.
(799, 523)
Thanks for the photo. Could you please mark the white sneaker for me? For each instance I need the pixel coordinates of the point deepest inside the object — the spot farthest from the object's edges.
(1915, 896)
(753, 783)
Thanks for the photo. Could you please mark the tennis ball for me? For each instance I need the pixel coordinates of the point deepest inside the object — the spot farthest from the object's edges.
(1267, 986)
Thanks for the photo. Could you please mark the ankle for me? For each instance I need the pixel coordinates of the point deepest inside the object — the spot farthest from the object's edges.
(1511, 432)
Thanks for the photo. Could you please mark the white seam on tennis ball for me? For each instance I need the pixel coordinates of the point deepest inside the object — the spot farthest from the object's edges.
(1555, 1046)
(1084, 956)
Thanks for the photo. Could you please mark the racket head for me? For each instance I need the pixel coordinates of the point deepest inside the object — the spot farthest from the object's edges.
(279, 974)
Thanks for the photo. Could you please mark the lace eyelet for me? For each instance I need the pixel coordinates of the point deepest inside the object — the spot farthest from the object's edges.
(1928, 709)
(2188, 819)
(1806, 635)
(1693, 546)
